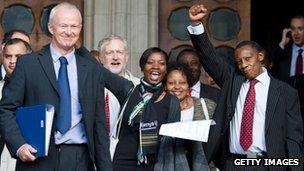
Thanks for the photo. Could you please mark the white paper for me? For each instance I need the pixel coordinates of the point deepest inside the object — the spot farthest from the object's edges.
(50, 111)
(194, 130)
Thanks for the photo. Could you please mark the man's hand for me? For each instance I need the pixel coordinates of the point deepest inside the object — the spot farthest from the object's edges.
(285, 39)
(25, 153)
(197, 13)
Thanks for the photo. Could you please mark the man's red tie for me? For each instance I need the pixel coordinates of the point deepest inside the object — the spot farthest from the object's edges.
(107, 110)
(299, 64)
(247, 118)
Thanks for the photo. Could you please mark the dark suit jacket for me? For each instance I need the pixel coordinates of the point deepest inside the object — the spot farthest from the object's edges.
(281, 70)
(1, 138)
(34, 82)
(283, 123)
(282, 62)
(209, 92)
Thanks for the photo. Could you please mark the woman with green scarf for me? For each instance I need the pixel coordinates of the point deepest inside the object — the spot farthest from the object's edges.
(147, 109)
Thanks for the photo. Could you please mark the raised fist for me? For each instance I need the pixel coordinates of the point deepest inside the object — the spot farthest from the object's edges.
(197, 13)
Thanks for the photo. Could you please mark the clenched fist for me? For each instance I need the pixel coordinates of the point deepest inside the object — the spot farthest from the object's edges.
(197, 13)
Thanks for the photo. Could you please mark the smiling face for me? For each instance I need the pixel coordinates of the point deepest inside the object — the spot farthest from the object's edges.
(65, 28)
(297, 31)
(115, 56)
(155, 68)
(249, 61)
(177, 84)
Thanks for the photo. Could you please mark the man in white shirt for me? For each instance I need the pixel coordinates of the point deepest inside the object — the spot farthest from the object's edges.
(12, 50)
(113, 51)
(257, 116)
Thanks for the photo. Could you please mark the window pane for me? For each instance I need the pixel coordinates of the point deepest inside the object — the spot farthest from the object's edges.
(45, 19)
(17, 17)
(178, 23)
(224, 24)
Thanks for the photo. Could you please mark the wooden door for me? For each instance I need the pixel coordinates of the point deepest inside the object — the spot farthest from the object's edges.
(31, 16)
(227, 23)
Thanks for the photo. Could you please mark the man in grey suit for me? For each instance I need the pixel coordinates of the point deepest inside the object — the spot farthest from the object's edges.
(73, 82)
(257, 116)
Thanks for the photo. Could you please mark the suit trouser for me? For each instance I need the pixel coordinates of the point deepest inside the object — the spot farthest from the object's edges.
(61, 158)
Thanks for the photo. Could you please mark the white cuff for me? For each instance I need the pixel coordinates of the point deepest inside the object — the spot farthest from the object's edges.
(196, 30)
(282, 46)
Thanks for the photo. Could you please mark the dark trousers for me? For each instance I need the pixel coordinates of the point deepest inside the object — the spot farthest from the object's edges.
(61, 158)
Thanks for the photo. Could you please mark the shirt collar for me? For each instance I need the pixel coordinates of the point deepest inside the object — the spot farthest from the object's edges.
(263, 78)
(56, 55)
(197, 86)
(296, 48)
(3, 72)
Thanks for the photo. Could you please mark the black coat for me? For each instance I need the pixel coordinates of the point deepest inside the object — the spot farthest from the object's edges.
(34, 82)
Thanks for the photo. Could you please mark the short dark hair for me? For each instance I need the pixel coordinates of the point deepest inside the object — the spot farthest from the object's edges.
(182, 68)
(17, 40)
(185, 51)
(298, 16)
(148, 52)
(253, 44)
(8, 35)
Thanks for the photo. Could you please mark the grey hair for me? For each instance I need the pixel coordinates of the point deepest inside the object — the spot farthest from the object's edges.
(67, 5)
(107, 40)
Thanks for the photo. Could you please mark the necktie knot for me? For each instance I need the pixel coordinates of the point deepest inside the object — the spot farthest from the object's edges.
(253, 82)
(300, 51)
(63, 60)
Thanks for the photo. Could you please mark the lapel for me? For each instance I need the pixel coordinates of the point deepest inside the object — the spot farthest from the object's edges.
(45, 59)
(81, 72)
(1, 73)
(272, 100)
(235, 90)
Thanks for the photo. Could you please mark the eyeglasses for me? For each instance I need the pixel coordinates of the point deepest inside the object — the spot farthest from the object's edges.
(72, 27)
(112, 52)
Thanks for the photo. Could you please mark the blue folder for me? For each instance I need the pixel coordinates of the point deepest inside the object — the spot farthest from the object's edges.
(35, 123)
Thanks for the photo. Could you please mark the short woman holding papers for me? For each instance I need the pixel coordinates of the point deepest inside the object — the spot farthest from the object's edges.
(178, 83)
(148, 107)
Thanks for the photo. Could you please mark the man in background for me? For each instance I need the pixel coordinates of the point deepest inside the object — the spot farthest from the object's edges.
(113, 52)
(288, 57)
(189, 58)
(12, 50)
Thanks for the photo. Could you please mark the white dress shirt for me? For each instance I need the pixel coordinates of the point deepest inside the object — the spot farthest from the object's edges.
(258, 140)
(261, 88)
(196, 90)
